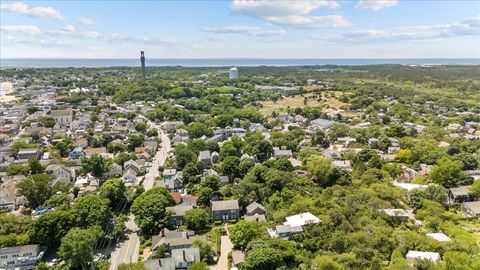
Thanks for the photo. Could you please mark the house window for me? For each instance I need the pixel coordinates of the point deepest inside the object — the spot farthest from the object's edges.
(11, 262)
(15, 255)
(27, 254)
(3, 256)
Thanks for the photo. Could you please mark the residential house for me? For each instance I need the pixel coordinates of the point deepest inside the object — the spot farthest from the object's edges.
(20, 257)
(440, 237)
(396, 213)
(284, 231)
(321, 123)
(9, 199)
(169, 174)
(343, 164)
(173, 239)
(205, 158)
(130, 176)
(28, 153)
(133, 165)
(115, 170)
(225, 210)
(62, 118)
(471, 208)
(174, 183)
(62, 174)
(180, 259)
(413, 255)
(77, 153)
(99, 151)
(301, 219)
(278, 153)
(178, 216)
(255, 208)
(458, 194)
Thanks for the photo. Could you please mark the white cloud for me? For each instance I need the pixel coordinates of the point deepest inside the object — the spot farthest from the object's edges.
(86, 21)
(244, 29)
(218, 39)
(30, 30)
(20, 8)
(290, 13)
(90, 34)
(70, 29)
(376, 4)
(468, 27)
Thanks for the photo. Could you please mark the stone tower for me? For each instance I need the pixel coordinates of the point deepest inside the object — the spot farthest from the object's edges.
(142, 59)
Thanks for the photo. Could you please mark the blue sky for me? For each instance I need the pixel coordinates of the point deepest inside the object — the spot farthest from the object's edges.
(239, 28)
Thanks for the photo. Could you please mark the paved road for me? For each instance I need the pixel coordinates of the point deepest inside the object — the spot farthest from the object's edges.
(226, 247)
(128, 249)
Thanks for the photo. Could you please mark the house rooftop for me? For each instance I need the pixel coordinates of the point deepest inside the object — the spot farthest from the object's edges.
(460, 191)
(301, 219)
(423, 255)
(225, 205)
(440, 237)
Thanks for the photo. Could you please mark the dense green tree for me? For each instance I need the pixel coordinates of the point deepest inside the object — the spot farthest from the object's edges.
(92, 210)
(35, 166)
(141, 127)
(149, 210)
(115, 147)
(262, 150)
(132, 266)
(212, 182)
(191, 170)
(153, 132)
(242, 233)
(197, 130)
(96, 164)
(263, 258)
(50, 227)
(61, 200)
(183, 156)
(469, 161)
(78, 246)
(197, 219)
(474, 190)
(204, 195)
(206, 250)
(115, 191)
(449, 173)
(37, 188)
(198, 266)
(135, 140)
(230, 167)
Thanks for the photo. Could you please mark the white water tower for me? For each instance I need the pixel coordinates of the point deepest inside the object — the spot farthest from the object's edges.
(233, 73)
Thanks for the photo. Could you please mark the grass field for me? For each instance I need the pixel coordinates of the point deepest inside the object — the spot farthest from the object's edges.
(328, 100)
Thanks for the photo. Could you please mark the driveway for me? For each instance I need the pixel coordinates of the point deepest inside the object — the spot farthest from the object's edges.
(226, 247)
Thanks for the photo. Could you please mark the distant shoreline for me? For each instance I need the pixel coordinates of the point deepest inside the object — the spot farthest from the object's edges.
(223, 62)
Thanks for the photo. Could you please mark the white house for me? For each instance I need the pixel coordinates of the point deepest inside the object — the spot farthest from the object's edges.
(62, 174)
(301, 219)
(414, 255)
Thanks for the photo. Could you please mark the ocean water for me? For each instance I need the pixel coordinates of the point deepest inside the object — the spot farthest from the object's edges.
(222, 62)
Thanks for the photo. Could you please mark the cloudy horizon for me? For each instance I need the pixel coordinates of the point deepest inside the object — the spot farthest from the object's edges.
(327, 29)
